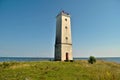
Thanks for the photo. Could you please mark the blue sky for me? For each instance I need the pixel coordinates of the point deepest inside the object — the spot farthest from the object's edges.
(27, 27)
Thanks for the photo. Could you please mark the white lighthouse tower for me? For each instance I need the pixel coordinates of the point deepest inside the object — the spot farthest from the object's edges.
(63, 42)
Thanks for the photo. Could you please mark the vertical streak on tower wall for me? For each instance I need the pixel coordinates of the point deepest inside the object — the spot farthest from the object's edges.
(63, 42)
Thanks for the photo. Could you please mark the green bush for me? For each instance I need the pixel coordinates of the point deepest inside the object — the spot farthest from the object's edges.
(92, 59)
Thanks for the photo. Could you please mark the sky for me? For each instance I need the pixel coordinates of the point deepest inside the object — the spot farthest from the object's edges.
(27, 27)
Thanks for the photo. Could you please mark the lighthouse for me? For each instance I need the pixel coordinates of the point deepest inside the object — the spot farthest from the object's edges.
(63, 40)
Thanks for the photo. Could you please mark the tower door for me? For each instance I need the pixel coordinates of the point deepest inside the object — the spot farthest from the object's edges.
(67, 56)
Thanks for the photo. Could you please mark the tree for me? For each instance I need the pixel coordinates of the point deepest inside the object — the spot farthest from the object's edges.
(92, 59)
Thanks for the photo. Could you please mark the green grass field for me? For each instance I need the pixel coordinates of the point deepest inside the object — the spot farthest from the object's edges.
(45, 70)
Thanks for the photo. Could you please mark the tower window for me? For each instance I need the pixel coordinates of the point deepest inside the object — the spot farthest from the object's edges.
(65, 27)
(66, 38)
(65, 19)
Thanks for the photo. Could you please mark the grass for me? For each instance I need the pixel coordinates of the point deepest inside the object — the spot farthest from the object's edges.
(46, 70)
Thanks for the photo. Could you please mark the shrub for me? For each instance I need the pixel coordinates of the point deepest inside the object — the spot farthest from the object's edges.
(71, 60)
(92, 59)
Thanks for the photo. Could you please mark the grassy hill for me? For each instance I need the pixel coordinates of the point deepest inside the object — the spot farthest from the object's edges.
(78, 70)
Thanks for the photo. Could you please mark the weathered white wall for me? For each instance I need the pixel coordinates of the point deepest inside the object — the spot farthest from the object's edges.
(66, 32)
(66, 49)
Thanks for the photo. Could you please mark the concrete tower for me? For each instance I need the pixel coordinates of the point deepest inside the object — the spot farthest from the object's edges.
(63, 43)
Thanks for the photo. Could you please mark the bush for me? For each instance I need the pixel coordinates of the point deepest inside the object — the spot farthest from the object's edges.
(92, 59)
(71, 60)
